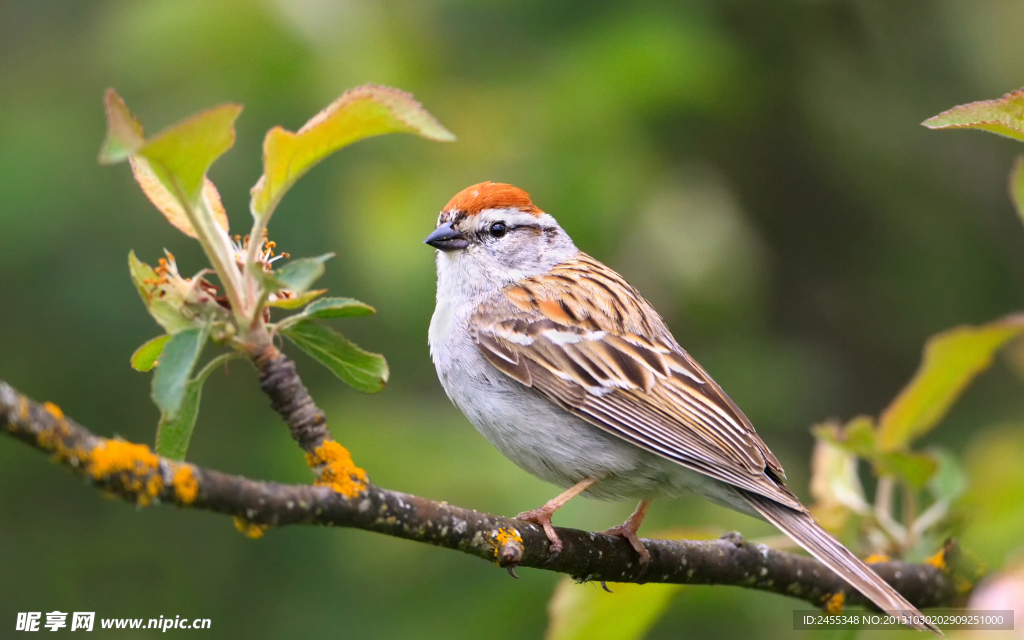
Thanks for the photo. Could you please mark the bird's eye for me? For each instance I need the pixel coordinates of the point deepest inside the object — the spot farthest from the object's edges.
(498, 229)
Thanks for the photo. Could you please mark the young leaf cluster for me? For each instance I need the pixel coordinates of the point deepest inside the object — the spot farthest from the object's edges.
(229, 301)
(930, 480)
(1003, 116)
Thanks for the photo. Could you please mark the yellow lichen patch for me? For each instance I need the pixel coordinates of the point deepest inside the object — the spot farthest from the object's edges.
(49, 439)
(938, 560)
(250, 529)
(186, 487)
(53, 410)
(503, 536)
(114, 456)
(154, 485)
(835, 603)
(138, 466)
(877, 557)
(336, 469)
(23, 407)
(52, 439)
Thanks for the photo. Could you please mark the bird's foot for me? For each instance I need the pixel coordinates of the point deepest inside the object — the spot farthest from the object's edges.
(542, 516)
(628, 532)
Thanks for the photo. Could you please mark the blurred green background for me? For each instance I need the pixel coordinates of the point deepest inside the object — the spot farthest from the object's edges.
(755, 169)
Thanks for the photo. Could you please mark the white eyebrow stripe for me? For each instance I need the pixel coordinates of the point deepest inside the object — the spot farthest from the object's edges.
(512, 217)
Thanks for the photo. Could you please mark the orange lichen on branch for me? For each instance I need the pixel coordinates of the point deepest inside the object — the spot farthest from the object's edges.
(505, 536)
(250, 529)
(23, 407)
(336, 470)
(49, 438)
(877, 557)
(835, 603)
(938, 560)
(137, 467)
(52, 438)
(53, 410)
(186, 487)
(116, 456)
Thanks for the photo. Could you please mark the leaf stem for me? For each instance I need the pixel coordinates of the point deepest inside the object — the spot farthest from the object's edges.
(255, 242)
(221, 254)
(909, 513)
(215, 243)
(883, 512)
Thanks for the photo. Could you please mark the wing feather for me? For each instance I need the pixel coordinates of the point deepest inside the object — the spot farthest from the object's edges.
(606, 356)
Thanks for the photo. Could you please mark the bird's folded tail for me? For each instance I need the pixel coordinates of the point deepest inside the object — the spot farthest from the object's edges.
(805, 530)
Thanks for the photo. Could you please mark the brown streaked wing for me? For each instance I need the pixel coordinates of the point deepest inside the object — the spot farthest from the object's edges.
(585, 339)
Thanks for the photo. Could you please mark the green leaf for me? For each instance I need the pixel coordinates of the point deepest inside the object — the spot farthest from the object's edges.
(914, 468)
(856, 437)
(166, 309)
(169, 204)
(859, 436)
(1017, 186)
(298, 301)
(181, 154)
(299, 275)
(338, 308)
(145, 357)
(950, 481)
(176, 364)
(1004, 116)
(124, 132)
(141, 273)
(951, 360)
(587, 612)
(835, 485)
(329, 308)
(126, 141)
(367, 372)
(995, 494)
(174, 433)
(359, 113)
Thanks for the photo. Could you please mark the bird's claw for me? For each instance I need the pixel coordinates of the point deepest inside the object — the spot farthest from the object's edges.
(551, 559)
(641, 577)
(629, 533)
(542, 517)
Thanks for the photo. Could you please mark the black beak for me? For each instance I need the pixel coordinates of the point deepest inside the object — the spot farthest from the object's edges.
(446, 239)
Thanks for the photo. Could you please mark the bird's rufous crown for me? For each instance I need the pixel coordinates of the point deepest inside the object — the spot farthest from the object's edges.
(490, 195)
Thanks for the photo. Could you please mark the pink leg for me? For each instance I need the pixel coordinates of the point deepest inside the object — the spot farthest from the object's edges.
(629, 528)
(542, 516)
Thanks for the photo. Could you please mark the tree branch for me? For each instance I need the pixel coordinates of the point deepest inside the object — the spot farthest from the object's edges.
(139, 476)
(290, 398)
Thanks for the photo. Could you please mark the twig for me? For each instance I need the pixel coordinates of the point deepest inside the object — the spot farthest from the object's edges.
(290, 398)
(136, 474)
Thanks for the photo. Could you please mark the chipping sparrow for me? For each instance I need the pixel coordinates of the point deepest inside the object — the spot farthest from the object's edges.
(574, 377)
